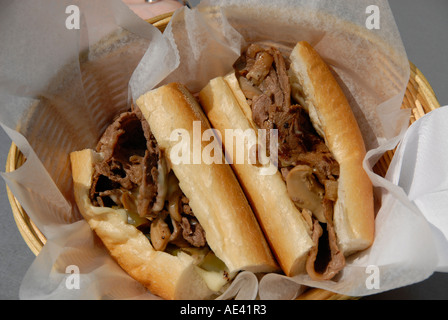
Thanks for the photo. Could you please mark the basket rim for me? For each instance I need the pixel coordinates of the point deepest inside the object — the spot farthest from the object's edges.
(28, 230)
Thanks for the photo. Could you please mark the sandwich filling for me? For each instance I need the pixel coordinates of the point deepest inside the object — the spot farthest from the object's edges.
(134, 176)
(305, 162)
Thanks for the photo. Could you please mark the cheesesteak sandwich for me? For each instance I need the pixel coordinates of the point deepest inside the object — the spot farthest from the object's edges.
(318, 206)
(182, 230)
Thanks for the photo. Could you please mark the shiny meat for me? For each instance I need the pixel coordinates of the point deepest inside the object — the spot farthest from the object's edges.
(193, 232)
(133, 176)
(324, 259)
(130, 160)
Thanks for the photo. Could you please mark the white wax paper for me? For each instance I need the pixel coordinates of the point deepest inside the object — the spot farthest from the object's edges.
(53, 104)
(411, 225)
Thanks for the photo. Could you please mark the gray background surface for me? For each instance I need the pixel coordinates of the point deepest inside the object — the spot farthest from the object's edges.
(423, 26)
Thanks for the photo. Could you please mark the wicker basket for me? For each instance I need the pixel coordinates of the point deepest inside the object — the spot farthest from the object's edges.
(419, 97)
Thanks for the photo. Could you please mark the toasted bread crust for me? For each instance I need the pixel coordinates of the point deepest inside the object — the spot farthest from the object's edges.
(280, 219)
(215, 195)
